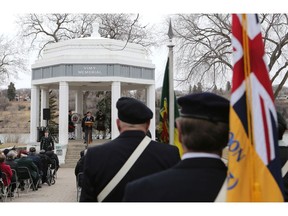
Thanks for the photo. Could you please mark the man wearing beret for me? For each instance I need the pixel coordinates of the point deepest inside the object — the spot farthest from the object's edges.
(103, 162)
(283, 150)
(203, 131)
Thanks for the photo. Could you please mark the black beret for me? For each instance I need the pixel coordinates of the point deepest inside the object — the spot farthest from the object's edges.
(206, 106)
(6, 151)
(133, 111)
(32, 149)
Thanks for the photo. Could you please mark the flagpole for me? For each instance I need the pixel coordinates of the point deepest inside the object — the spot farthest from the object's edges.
(171, 86)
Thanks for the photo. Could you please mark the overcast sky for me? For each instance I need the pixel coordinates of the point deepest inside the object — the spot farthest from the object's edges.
(152, 11)
(158, 57)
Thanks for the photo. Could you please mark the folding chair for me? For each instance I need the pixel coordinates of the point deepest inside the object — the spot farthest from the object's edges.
(24, 175)
(78, 186)
(3, 188)
(15, 182)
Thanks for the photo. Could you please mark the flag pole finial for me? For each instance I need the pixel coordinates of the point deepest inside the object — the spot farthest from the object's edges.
(170, 31)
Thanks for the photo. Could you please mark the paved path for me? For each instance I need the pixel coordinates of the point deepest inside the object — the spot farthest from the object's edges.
(64, 190)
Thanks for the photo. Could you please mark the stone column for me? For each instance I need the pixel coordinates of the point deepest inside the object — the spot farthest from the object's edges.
(34, 113)
(79, 110)
(44, 104)
(63, 112)
(150, 98)
(115, 95)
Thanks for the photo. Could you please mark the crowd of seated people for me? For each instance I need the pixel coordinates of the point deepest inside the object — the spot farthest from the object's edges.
(37, 164)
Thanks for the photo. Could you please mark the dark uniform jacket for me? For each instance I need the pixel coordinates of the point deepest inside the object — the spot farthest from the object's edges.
(86, 119)
(27, 162)
(46, 142)
(192, 180)
(54, 160)
(103, 162)
(71, 126)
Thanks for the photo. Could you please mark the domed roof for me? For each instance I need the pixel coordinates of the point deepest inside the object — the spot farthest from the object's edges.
(94, 50)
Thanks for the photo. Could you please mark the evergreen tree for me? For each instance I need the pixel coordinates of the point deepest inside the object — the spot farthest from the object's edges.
(199, 87)
(190, 89)
(11, 93)
(228, 86)
(194, 89)
(215, 89)
(53, 108)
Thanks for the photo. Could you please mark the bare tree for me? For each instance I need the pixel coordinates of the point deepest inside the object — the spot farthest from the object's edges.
(126, 27)
(43, 29)
(204, 48)
(12, 59)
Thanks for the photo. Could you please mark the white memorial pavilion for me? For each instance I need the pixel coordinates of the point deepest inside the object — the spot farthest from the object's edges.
(83, 64)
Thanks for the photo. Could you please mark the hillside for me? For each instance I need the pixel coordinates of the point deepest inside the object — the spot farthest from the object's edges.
(15, 118)
(15, 115)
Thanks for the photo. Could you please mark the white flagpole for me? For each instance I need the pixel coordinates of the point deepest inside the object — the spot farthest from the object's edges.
(171, 86)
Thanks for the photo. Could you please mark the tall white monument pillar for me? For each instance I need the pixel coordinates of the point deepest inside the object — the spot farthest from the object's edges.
(44, 104)
(63, 112)
(79, 110)
(34, 117)
(115, 95)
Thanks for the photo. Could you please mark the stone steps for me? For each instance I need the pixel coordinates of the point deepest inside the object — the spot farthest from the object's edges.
(73, 151)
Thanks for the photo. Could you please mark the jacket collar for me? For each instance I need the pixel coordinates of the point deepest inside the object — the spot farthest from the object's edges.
(201, 162)
(132, 133)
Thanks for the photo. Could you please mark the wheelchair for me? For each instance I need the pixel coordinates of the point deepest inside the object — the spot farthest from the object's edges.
(51, 173)
(79, 185)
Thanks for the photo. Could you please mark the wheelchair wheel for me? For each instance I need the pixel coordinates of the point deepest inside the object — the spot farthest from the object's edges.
(49, 177)
(53, 180)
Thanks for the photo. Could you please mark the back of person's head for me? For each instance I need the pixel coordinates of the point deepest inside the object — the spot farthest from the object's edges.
(2, 158)
(204, 122)
(282, 126)
(133, 111)
(11, 154)
(5, 151)
(32, 150)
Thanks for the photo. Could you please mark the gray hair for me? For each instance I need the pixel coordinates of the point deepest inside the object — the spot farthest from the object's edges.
(11, 154)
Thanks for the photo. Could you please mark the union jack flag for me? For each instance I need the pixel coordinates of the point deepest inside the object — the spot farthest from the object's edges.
(254, 171)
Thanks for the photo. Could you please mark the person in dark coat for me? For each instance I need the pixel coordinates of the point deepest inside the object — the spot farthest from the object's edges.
(100, 129)
(282, 127)
(80, 166)
(54, 159)
(203, 131)
(102, 162)
(45, 161)
(86, 128)
(24, 161)
(46, 141)
(36, 159)
(283, 150)
(71, 127)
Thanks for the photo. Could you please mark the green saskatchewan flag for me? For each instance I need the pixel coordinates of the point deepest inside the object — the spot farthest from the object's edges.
(163, 126)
